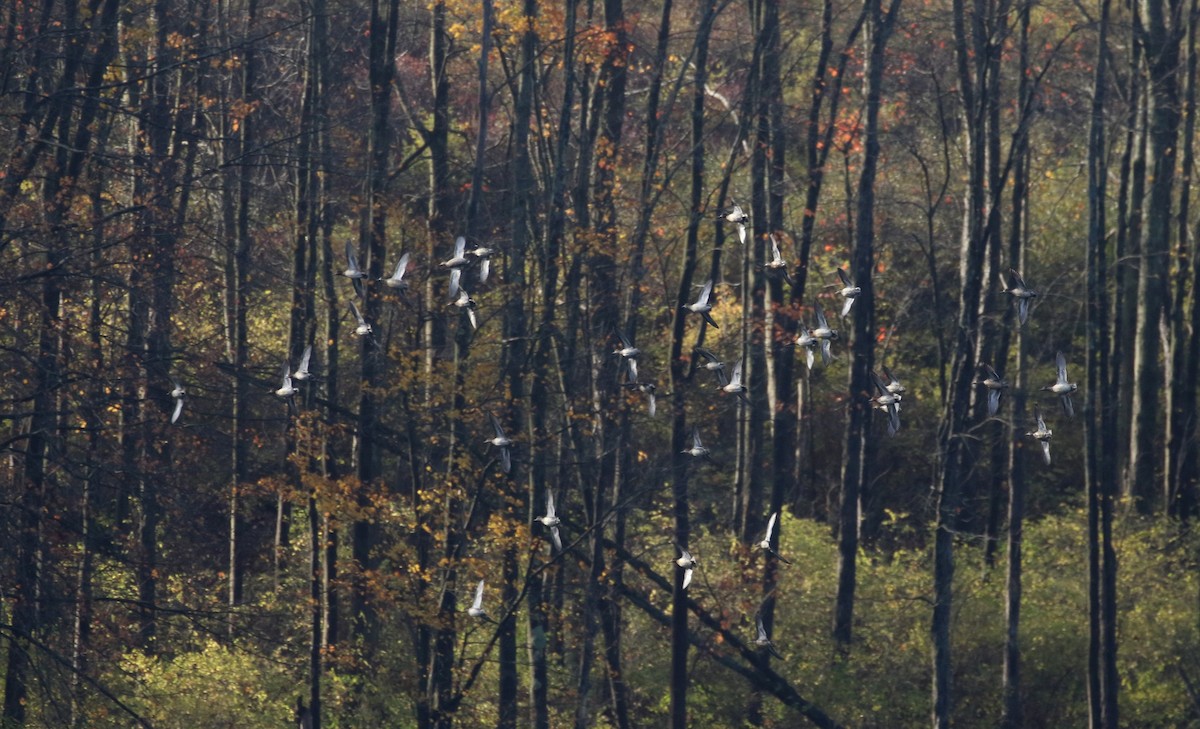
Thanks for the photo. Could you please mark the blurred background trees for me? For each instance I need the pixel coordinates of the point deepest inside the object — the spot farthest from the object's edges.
(182, 181)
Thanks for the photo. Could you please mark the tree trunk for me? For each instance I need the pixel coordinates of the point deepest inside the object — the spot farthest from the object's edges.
(1179, 496)
(879, 28)
(1161, 38)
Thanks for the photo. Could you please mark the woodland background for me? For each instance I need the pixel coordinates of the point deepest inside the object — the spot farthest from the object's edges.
(180, 179)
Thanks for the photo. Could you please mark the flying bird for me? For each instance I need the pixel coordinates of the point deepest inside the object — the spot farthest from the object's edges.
(353, 271)
(1022, 293)
(396, 281)
(551, 521)
(824, 334)
(765, 544)
(734, 385)
(476, 610)
(1042, 435)
(628, 353)
(464, 301)
(734, 214)
(849, 291)
(649, 389)
(777, 264)
(484, 255)
(888, 401)
(711, 363)
(503, 442)
(806, 341)
(1062, 388)
(363, 328)
(302, 372)
(995, 386)
(177, 392)
(762, 641)
(893, 385)
(688, 563)
(702, 307)
(287, 391)
(697, 450)
(456, 263)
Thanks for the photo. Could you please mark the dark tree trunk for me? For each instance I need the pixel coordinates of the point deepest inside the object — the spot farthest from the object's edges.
(1013, 713)
(952, 445)
(681, 523)
(879, 28)
(1162, 33)
(1179, 496)
(542, 386)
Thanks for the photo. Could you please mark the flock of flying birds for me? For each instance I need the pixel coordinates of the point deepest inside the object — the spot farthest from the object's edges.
(821, 337)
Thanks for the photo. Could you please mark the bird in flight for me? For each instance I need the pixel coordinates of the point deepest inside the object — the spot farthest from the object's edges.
(1042, 435)
(501, 441)
(687, 563)
(701, 305)
(353, 271)
(849, 291)
(824, 334)
(734, 214)
(888, 401)
(551, 521)
(1022, 293)
(476, 610)
(995, 386)
(765, 544)
(762, 641)
(396, 280)
(177, 392)
(1062, 387)
(456, 264)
